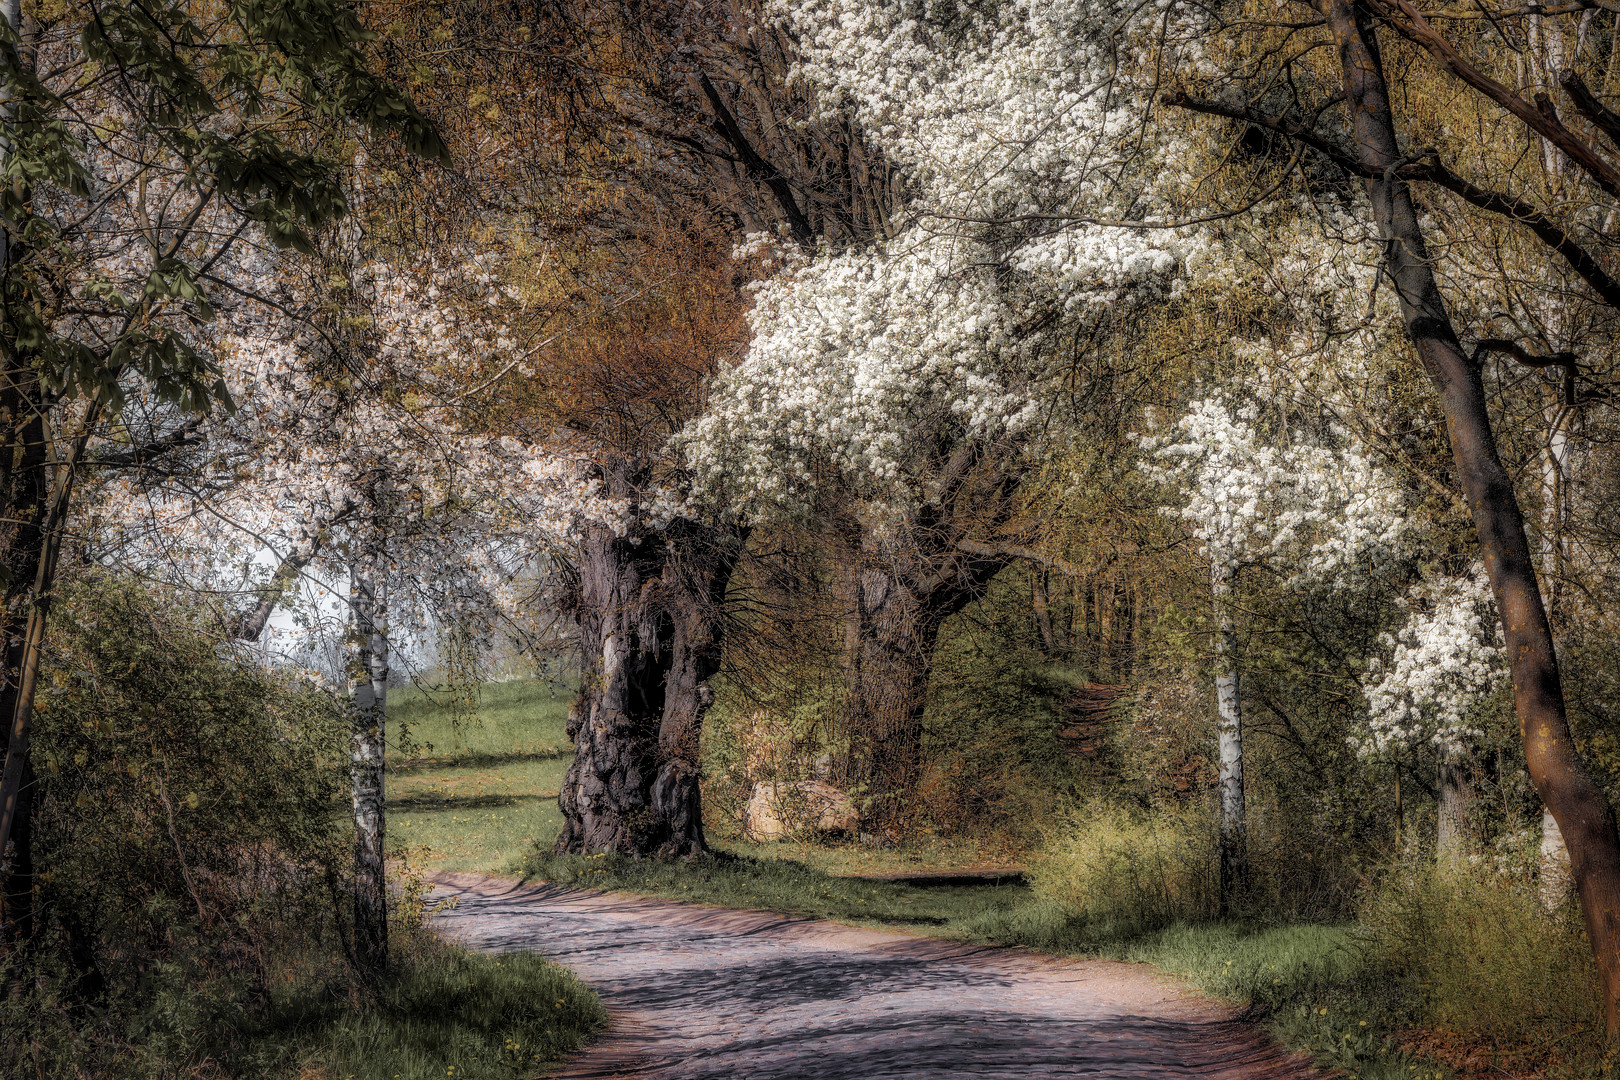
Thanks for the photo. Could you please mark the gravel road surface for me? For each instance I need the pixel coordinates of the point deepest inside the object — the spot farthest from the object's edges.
(697, 992)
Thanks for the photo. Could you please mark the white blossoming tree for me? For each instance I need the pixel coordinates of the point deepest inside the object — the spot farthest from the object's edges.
(892, 387)
(1314, 514)
(1444, 662)
(143, 148)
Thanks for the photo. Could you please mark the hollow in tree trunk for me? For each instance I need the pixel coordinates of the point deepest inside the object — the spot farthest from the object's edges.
(649, 609)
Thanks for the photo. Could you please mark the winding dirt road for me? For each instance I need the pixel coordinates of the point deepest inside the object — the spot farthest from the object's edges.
(707, 993)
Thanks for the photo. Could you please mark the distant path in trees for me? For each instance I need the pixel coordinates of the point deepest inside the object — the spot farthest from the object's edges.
(698, 992)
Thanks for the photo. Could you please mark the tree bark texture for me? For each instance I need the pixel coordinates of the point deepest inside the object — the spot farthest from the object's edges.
(1577, 803)
(1457, 800)
(895, 628)
(649, 605)
(1233, 829)
(368, 703)
(903, 580)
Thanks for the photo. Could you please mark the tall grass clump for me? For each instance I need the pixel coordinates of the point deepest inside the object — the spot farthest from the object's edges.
(1476, 951)
(1128, 871)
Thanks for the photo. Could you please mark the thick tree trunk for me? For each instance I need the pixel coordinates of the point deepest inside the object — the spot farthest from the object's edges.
(649, 607)
(1233, 832)
(368, 704)
(1577, 802)
(894, 633)
(897, 607)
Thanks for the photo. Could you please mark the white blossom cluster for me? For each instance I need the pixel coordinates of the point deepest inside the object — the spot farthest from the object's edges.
(1443, 663)
(1017, 141)
(369, 454)
(859, 364)
(1329, 515)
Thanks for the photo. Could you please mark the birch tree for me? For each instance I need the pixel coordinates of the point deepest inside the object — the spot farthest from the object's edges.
(143, 146)
(1313, 514)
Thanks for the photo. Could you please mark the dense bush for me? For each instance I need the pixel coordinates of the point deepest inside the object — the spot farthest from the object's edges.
(1476, 951)
(184, 831)
(191, 897)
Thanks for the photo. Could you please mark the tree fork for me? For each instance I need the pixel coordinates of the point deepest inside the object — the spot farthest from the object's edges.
(1578, 804)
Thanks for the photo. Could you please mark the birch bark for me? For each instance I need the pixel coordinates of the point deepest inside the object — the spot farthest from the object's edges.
(368, 701)
(1233, 830)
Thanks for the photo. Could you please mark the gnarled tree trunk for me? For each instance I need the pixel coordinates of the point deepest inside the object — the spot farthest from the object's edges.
(649, 607)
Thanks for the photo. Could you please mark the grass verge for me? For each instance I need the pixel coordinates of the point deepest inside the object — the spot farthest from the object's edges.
(480, 793)
(442, 1012)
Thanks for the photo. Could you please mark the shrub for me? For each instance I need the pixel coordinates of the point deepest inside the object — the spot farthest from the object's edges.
(1134, 870)
(1131, 870)
(192, 855)
(1477, 952)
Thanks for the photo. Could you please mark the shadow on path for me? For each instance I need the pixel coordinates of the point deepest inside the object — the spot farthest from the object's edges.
(707, 993)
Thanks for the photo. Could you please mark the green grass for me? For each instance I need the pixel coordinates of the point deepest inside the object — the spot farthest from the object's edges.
(441, 1013)
(481, 794)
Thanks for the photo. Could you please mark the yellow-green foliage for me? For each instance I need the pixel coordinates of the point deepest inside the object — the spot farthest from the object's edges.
(192, 842)
(1477, 952)
(1129, 868)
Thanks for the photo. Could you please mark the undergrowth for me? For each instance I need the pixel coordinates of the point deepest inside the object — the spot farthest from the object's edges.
(442, 1012)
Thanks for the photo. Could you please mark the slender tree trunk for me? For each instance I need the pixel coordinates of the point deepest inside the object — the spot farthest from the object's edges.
(1554, 876)
(1233, 830)
(649, 607)
(27, 496)
(1577, 802)
(1456, 803)
(1043, 617)
(368, 703)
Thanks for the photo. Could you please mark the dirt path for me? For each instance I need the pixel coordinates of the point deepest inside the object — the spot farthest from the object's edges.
(700, 992)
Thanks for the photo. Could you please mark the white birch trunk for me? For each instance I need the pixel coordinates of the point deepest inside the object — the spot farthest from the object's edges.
(1555, 881)
(368, 699)
(1229, 734)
